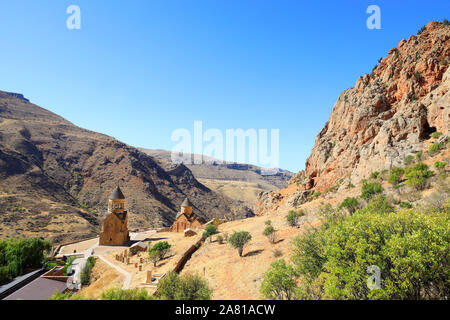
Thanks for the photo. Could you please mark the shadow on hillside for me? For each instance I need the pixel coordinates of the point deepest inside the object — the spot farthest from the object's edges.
(154, 239)
(253, 253)
(278, 241)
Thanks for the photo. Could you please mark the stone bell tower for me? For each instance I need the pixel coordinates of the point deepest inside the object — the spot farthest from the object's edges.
(115, 226)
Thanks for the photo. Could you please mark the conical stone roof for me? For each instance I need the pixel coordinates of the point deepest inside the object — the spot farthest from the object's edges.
(117, 194)
(186, 203)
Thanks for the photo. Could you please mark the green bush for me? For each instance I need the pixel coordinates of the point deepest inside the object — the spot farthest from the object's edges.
(436, 134)
(434, 148)
(351, 204)
(405, 205)
(317, 194)
(188, 287)
(440, 165)
(239, 239)
(369, 189)
(270, 233)
(85, 275)
(129, 294)
(374, 175)
(279, 282)
(293, 217)
(408, 160)
(379, 205)
(417, 176)
(409, 247)
(395, 175)
(16, 255)
(210, 230)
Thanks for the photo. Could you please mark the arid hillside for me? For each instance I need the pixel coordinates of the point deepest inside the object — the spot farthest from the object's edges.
(55, 178)
(241, 182)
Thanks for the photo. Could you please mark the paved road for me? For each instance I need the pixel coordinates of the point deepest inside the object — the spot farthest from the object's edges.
(127, 280)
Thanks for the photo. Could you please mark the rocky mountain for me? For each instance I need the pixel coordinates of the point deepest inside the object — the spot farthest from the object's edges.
(241, 182)
(55, 178)
(388, 115)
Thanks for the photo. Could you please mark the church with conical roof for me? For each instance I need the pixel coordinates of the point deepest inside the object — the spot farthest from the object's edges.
(115, 225)
(186, 219)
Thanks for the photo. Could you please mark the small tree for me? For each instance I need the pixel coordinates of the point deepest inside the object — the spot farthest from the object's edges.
(270, 233)
(351, 204)
(210, 230)
(154, 257)
(159, 251)
(293, 217)
(369, 189)
(239, 239)
(188, 287)
(418, 175)
(395, 176)
(279, 282)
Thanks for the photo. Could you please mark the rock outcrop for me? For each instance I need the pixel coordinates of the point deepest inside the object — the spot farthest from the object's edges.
(388, 115)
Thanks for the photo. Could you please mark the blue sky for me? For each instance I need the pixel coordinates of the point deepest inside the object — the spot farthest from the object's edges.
(137, 70)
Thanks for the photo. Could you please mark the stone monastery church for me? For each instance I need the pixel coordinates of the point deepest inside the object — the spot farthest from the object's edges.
(115, 225)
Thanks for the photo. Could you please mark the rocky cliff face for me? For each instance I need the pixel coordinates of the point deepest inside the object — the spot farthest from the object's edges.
(55, 178)
(385, 117)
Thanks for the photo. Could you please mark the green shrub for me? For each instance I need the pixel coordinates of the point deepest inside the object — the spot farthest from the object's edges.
(239, 239)
(331, 215)
(279, 282)
(379, 205)
(16, 255)
(129, 294)
(188, 287)
(369, 189)
(67, 296)
(277, 253)
(374, 175)
(395, 175)
(440, 165)
(405, 205)
(434, 148)
(270, 233)
(408, 160)
(85, 275)
(436, 134)
(209, 231)
(293, 217)
(351, 204)
(417, 176)
(409, 247)
(317, 194)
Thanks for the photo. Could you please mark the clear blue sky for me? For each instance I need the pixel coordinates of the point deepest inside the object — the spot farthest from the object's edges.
(137, 70)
